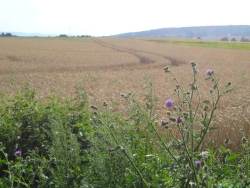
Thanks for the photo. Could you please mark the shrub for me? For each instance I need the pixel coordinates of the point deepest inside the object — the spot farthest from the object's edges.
(51, 133)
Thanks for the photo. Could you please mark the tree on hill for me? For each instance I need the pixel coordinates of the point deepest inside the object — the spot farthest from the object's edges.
(85, 36)
(7, 34)
(224, 39)
(243, 39)
(63, 35)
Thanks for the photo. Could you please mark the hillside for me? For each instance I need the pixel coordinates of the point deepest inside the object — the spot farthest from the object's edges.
(192, 32)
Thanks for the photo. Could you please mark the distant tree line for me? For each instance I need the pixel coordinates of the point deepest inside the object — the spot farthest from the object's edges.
(78, 36)
(7, 35)
(243, 39)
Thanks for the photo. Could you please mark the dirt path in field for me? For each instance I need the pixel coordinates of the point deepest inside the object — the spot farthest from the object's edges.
(142, 55)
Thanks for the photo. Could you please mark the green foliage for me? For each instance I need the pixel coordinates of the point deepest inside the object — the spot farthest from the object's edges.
(53, 132)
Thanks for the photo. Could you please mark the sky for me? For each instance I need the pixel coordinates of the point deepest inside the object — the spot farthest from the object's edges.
(109, 17)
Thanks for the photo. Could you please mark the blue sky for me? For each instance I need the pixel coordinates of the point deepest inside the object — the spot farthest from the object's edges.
(107, 17)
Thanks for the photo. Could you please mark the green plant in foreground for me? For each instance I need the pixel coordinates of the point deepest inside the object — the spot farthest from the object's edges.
(43, 142)
(129, 150)
(193, 116)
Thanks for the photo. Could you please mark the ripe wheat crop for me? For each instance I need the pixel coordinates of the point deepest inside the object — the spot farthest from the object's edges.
(108, 66)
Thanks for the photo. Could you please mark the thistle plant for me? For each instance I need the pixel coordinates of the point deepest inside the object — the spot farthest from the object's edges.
(192, 117)
(138, 154)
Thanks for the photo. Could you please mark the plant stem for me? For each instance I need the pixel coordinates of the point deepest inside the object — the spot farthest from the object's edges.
(157, 134)
(112, 134)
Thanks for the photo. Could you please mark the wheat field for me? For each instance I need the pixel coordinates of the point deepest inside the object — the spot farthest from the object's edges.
(108, 66)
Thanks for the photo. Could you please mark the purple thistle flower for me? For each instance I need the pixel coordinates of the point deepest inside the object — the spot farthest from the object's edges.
(110, 149)
(177, 86)
(180, 120)
(169, 103)
(19, 152)
(209, 72)
(93, 107)
(197, 163)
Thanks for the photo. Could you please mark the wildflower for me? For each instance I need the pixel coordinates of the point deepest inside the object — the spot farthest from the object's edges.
(172, 119)
(209, 72)
(122, 95)
(94, 107)
(197, 163)
(177, 86)
(180, 120)
(19, 152)
(163, 123)
(169, 103)
(226, 141)
(110, 149)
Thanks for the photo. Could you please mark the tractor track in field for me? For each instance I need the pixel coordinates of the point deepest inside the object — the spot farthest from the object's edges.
(140, 54)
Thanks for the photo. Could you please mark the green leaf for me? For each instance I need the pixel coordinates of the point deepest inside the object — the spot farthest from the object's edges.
(206, 102)
(223, 149)
(2, 161)
(232, 156)
(213, 128)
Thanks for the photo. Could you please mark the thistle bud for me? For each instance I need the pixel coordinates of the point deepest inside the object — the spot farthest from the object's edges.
(193, 64)
(94, 107)
(172, 119)
(226, 141)
(163, 123)
(167, 69)
(205, 108)
(244, 140)
(205, 168)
